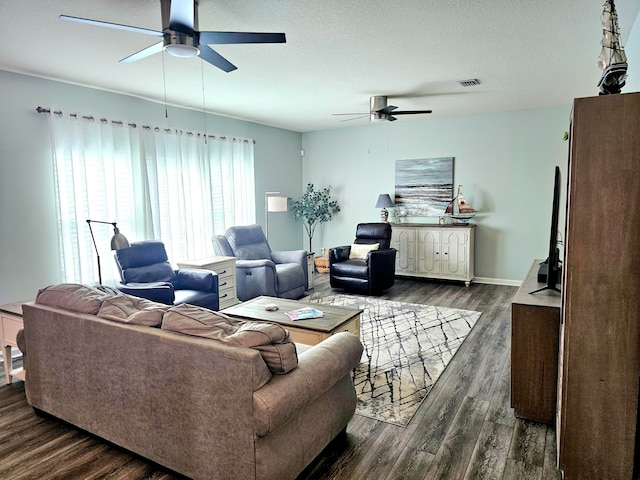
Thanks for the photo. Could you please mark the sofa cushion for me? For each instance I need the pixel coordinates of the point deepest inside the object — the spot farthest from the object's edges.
(129, 309)
(361, 250)
(248, 242)
(157, 272)
(140, 254)
(256, 251)
(73, 297)
(351, 269)
(271, 340)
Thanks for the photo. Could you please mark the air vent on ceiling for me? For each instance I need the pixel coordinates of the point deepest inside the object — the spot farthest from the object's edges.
(469, 83)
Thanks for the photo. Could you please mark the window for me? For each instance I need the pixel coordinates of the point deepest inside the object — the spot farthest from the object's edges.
(156, 184)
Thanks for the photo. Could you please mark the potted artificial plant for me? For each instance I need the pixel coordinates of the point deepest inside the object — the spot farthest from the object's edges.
(313, 208)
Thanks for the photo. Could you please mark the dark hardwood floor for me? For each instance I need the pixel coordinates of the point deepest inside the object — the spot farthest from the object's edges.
(465, 429)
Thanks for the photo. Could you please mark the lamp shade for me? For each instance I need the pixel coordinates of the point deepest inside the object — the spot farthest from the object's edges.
(118, 241)
(384, 201)
(277, 204)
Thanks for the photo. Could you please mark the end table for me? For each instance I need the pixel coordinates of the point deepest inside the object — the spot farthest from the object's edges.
(11, 323)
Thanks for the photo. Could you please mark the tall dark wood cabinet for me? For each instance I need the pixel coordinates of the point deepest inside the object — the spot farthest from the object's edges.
(600, 334)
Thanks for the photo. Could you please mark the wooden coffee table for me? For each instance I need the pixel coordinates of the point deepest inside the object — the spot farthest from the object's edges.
(309, 332)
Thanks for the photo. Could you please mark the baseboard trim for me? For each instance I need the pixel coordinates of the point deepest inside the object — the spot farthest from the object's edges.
(497, 281)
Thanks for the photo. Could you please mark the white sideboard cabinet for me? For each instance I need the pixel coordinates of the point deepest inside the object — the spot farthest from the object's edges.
(434, 251)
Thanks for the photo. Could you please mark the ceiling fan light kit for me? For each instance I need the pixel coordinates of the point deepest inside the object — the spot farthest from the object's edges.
(180, 45)
(376, 104)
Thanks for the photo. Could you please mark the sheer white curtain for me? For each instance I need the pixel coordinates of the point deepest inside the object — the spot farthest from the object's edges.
(197, 188)
(157, 184)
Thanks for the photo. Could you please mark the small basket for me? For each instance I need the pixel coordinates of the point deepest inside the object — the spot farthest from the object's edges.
(322, 264)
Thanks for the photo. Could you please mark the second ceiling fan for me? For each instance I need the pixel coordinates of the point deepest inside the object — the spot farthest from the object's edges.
(379, 111)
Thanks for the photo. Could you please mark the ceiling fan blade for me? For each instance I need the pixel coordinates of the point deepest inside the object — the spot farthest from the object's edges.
(386, 110)
(355, 118)
(220, 38)
(411, 112)
(214, 58)
(182, 16)
(117, 26)
(144, 53)
(391, 118)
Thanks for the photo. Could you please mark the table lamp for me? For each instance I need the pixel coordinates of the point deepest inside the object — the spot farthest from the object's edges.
(383, 202)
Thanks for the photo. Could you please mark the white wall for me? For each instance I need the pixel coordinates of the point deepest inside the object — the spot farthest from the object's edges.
(632, 49)
(28, 240)
(505, 162)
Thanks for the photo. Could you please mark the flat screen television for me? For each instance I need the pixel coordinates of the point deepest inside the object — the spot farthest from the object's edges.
(550, 270)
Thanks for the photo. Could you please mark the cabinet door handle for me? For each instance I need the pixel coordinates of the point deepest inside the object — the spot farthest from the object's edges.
(225, 295)
(222, 284)
(222, 272)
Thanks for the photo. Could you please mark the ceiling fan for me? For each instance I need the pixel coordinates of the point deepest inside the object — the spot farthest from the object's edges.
(379, 111)
(181, 38)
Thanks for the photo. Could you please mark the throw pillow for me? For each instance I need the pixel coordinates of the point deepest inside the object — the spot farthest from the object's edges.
(129, 309)
(360, 250)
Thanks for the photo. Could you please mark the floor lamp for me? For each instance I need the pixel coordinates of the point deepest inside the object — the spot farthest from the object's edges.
(273, 202)
(118, 241)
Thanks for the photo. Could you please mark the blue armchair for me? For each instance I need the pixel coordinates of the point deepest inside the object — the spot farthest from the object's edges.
(259, 270)
(146, 272)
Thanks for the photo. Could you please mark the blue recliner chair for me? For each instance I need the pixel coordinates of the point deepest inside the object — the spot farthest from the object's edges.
(368, 271)
(259, 270)
(146, 272)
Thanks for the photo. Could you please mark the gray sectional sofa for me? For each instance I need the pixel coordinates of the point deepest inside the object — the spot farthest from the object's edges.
(205, 395)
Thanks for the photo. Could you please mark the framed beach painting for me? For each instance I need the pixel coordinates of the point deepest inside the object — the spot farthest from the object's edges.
(424, 186)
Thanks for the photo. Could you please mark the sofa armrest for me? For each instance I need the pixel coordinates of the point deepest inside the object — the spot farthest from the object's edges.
(255, 278)
(248, 264)
(293, 256)
(22, 346)
(319, 368)
(161, 292)
(290, 256)
(382, 259)
(339, 254)
(196, 279)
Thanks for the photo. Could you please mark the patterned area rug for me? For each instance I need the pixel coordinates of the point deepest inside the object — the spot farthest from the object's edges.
(406, 348)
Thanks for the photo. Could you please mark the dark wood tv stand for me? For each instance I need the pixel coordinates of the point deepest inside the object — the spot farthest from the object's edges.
(535, 327)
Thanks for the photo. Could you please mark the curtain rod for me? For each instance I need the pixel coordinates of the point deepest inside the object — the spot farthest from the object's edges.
(133, 125)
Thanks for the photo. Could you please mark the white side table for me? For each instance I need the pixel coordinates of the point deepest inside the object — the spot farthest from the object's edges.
(11, 323)
(310, 269)
(225, 267)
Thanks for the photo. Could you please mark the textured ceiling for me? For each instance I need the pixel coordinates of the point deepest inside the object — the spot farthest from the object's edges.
(338, 53)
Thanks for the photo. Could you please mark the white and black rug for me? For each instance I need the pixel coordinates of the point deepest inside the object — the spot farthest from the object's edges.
(406, 348)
